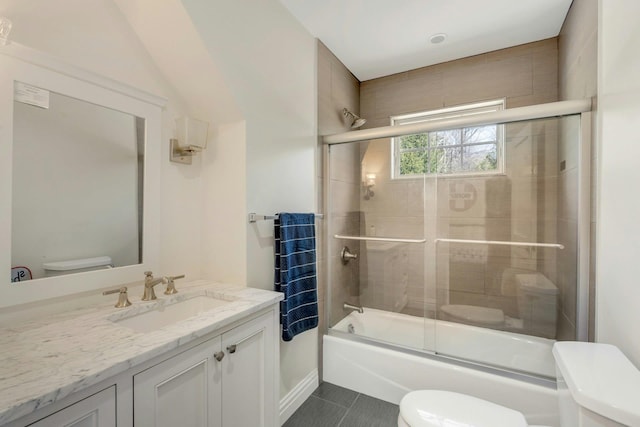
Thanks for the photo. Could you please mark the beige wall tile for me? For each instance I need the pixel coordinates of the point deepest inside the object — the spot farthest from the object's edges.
(578, 68)
(337, 89)
(524, 75)
(345, 163)
(568, 195)
(577, 44)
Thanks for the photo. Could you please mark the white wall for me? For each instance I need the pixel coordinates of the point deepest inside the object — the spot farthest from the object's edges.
(618, 228)
(223, 204)
(262, 149)
(88, 33)
(94, 35)
(203, 213)
(152, 47)
(268, 61)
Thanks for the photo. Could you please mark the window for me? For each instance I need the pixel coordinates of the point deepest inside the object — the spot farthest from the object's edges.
(469, 150)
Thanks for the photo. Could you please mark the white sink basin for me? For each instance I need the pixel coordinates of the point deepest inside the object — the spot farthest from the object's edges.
(166, 315)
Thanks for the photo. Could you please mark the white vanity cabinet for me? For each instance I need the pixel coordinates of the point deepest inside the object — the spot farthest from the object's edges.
(250, 385)
(183, 390)
(228, 377)
(226, 381)
(98, 410)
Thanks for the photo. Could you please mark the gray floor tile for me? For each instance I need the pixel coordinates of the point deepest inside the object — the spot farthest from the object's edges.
(333, 393)
(370, 412)
(316, 412)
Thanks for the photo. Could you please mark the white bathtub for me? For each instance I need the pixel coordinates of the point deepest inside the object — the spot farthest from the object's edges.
(516, 352)
(389, 374)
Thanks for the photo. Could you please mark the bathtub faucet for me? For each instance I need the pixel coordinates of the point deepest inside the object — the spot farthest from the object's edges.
(348, 306)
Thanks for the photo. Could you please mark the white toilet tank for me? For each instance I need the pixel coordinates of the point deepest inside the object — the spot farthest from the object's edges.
(76, 266)
(597, 385)
(537, 304)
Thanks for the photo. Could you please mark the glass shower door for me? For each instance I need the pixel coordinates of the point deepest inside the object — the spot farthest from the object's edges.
(506, 273)
(380, 221)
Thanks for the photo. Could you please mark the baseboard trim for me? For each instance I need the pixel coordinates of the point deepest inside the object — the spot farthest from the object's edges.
(296, 397)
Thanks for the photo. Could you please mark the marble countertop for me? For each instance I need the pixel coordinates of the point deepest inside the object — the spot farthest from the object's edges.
(48, 359)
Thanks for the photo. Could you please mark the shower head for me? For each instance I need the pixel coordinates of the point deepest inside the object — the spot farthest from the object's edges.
(356, 121)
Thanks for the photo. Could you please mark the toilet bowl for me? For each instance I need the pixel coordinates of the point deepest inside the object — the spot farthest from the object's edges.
(536, 296)
(596, 385)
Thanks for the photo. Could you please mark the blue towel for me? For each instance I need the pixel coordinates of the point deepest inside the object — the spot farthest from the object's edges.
(295, 272)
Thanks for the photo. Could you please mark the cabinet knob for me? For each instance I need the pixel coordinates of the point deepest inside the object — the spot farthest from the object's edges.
(232, 348)
(219, 355)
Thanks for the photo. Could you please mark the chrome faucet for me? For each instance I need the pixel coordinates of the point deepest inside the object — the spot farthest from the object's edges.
(352, 307)
(149, 283)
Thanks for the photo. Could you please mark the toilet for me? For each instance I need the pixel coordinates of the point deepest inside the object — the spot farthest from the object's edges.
(537, 300)
(80, 265)
(597, 387)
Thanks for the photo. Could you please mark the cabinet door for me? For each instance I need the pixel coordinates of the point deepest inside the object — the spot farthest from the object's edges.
(98, 410)
(181, 391)
(248, 382)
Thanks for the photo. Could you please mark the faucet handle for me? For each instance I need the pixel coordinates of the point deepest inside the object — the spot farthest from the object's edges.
(148, 274)
(171, 286)
(123, 298)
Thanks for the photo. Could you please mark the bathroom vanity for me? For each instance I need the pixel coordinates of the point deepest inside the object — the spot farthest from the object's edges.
(206, 356)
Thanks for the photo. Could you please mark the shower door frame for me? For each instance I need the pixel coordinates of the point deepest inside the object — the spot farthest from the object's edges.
(541, 111)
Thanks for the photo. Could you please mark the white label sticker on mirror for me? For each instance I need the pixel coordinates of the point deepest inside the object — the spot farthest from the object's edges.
(31, 95)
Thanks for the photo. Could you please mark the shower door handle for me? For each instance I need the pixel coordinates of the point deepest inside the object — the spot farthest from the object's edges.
(379, 239)
(503, 243)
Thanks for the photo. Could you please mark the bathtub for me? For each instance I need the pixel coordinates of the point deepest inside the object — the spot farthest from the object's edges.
(366, 362)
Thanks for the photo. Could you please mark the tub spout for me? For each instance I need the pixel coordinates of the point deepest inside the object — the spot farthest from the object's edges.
(357, 308)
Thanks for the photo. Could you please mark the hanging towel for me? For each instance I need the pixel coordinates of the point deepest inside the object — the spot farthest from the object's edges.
(295, 272)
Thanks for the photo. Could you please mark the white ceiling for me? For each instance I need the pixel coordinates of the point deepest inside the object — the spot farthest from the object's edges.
(376, 38)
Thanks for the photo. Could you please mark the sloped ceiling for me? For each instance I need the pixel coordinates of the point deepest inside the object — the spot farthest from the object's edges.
(166, 31)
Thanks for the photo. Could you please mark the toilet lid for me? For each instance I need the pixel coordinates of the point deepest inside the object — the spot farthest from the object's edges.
(475, 314)
(438, 408)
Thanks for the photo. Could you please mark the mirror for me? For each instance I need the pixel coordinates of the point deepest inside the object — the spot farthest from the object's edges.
(78, 171)
(81, 171)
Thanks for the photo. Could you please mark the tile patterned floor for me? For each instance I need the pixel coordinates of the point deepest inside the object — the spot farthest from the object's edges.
(333, 406)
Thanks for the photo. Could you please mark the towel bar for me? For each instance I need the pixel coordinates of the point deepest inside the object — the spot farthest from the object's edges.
(254, 217)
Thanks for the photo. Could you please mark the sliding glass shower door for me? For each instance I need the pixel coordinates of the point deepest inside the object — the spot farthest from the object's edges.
(507, 246)
(378, 256)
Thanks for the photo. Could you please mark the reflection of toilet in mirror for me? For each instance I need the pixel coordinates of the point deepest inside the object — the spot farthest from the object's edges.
(60, 268)
(536, 298)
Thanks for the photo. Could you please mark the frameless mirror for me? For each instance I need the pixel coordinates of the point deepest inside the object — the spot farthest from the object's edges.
(77, 185)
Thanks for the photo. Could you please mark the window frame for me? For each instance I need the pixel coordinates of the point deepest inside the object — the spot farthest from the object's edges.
(449, 113)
